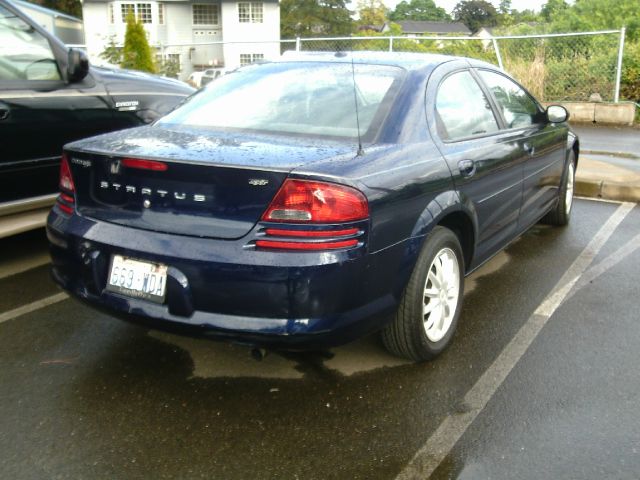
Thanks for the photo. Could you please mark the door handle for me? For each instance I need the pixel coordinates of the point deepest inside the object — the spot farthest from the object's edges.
(467, 167)
(530, 149)
(4, 113)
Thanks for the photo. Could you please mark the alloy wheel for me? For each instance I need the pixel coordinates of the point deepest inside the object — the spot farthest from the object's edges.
(441, 292)
(568, 196)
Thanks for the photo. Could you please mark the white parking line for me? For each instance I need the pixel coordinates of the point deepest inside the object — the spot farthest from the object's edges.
(438, 446)
(597, 199)
(606, 264)
(32, 307)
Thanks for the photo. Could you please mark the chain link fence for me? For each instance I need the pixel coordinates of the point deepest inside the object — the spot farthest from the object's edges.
(556, 67)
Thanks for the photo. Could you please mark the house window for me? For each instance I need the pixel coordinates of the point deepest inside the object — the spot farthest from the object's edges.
(250, 12)
(142, 11)
(112, 17)
(205, 14)
(125, 9)
(249, 58)
(161, 13)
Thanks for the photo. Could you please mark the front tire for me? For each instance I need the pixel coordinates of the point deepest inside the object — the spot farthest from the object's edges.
(561, 213)
(430, 306)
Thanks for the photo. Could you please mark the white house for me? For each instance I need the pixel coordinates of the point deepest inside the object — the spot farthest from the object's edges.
(486, 33)
(183, 30)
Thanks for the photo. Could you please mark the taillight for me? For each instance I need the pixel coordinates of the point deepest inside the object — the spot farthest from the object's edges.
(280, 245)
(304, 201)
(279, 232)
(66, 199)
(66, 180)
(316, 212)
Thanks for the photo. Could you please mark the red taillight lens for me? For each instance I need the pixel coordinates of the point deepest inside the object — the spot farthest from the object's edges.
(316, 202)
(281, 245)
(66, 200)
(144, 164)
(66, 180)
(278, 232)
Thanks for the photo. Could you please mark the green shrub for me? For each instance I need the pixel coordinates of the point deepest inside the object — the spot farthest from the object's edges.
(136, 53)
(630, 81)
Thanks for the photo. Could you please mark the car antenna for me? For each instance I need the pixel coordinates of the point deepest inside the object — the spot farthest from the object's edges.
(355, 98)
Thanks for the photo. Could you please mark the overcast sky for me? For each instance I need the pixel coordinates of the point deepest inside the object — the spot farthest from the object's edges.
(449, 4)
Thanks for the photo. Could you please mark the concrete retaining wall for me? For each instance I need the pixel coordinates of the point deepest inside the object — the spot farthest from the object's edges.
(606, 113)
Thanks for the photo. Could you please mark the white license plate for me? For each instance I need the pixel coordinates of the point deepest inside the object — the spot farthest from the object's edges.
(137, 279)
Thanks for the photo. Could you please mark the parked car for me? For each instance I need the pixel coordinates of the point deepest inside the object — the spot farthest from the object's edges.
(305, 202)
(50, 95)
(200, 79)
(211, 74)
(195, 79)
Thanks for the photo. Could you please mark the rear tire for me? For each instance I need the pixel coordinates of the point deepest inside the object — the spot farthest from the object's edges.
(428, 313)
(561, 213)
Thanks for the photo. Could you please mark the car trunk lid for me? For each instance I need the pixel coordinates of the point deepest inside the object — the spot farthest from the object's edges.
(201, 185)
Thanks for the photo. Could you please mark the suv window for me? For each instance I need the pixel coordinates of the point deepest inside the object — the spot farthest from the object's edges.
(462, 108)
(518, 108)
(24, 53)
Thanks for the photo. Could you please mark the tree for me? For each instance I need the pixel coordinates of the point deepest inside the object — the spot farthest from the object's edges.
(476, 14)
(505, 7)
(372, 12)
(524, 16)
(169, 68)
(553, 8)
(589, 15)
(136, 53)
(308, 18)
(70, 7)
(112, 53)
(419, 10)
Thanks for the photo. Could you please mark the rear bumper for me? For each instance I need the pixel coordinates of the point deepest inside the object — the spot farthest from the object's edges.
(220, 288)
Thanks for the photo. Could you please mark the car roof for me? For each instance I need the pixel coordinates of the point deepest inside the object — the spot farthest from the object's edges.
(406, 60)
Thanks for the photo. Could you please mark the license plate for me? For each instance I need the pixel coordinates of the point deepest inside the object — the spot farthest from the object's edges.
(137, 279)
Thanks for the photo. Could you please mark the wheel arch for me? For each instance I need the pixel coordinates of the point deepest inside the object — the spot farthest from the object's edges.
(449, 211)
(573, 143)
(462, 226)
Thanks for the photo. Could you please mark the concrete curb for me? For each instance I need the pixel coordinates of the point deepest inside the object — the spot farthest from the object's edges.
(605, 113)
(605, 153)
(607, 191)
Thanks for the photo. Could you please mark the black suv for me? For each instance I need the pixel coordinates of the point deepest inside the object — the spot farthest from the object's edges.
(49, 96)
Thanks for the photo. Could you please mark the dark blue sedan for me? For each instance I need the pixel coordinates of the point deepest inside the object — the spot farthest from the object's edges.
(305, 202)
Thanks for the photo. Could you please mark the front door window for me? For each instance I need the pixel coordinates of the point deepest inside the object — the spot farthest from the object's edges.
(24, 53)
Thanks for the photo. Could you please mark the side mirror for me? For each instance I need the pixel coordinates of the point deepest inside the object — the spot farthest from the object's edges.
(557, 114)
(78, 65)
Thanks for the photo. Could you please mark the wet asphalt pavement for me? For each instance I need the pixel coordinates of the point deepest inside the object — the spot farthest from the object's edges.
(621, 143)
(83, 395)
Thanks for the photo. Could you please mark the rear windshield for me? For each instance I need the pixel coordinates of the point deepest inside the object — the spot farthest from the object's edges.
(295, 98)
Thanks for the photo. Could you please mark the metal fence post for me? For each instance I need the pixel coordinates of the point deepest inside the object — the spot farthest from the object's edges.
(391, 44)
(497, 50)
(297, 44)
(616, 96)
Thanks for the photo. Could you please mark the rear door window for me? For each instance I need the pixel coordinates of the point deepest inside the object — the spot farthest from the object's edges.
(462, 109)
